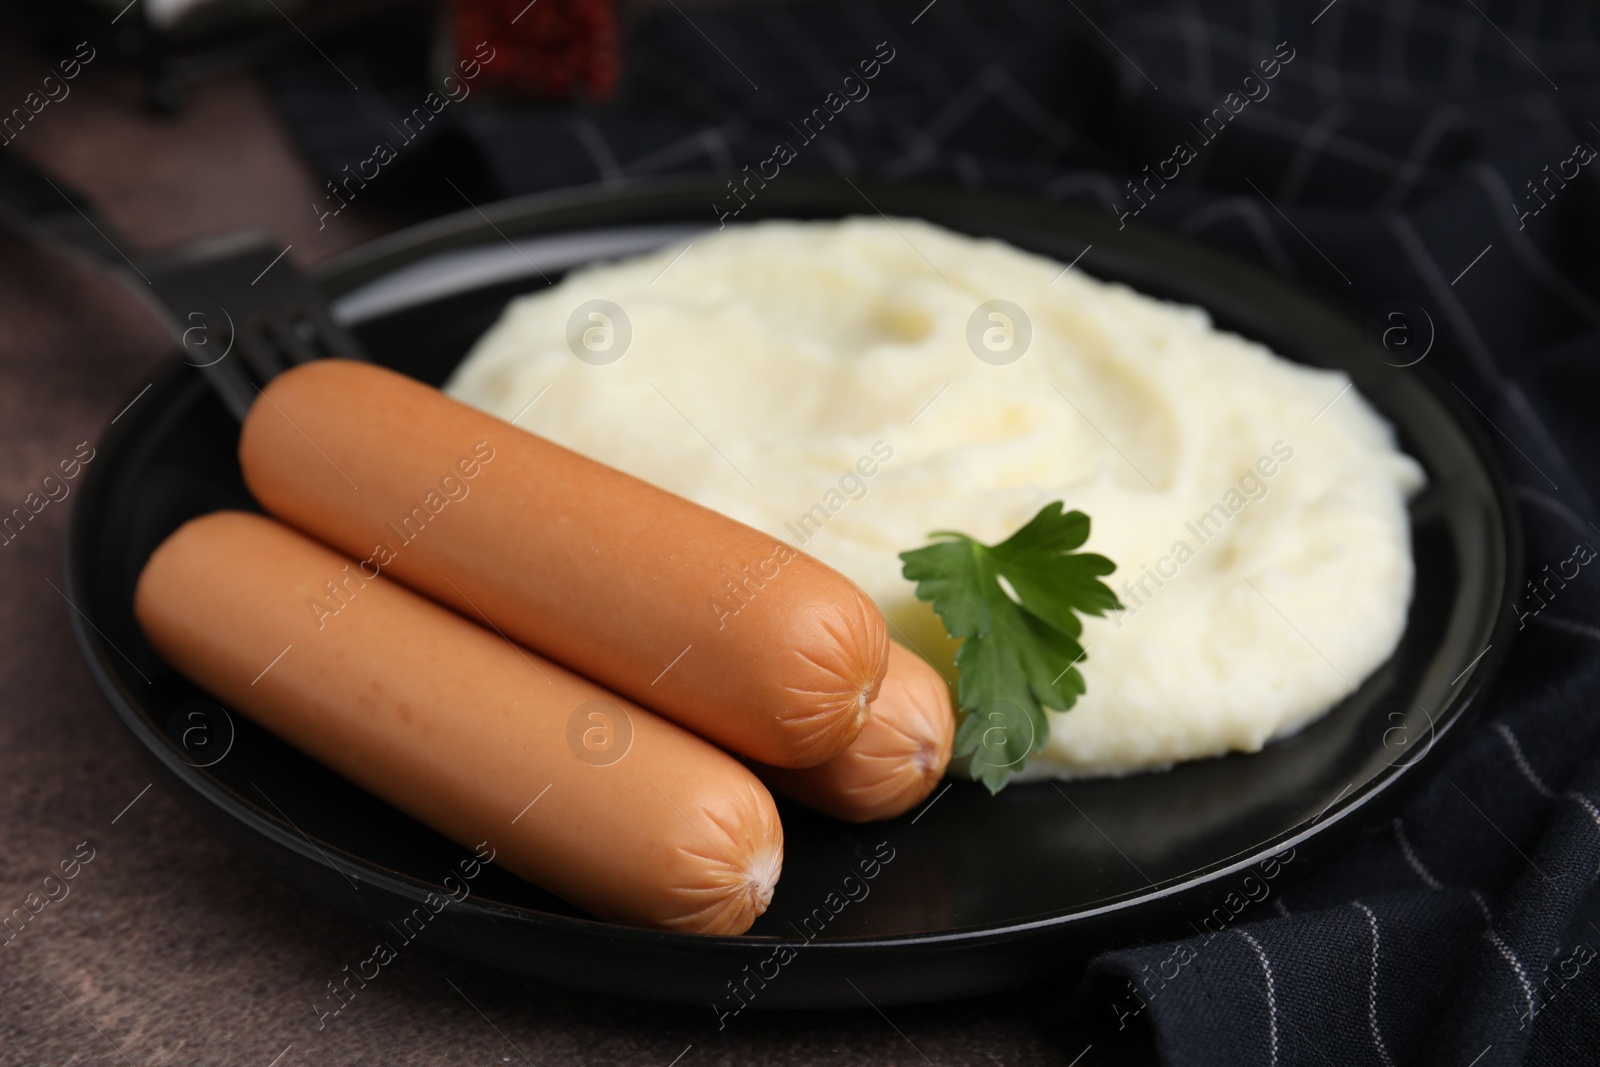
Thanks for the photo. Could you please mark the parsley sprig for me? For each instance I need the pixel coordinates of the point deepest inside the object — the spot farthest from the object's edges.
(1019, 647)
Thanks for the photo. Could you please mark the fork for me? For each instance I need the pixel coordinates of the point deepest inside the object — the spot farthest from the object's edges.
(240, 313)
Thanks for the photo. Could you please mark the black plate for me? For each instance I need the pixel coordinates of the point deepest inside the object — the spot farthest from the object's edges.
(981, 893)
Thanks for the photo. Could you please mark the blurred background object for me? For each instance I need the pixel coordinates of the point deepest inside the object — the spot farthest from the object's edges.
(551, 49)
(179, 42)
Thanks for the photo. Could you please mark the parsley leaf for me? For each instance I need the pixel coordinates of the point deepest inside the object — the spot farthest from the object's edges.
(1018, 655)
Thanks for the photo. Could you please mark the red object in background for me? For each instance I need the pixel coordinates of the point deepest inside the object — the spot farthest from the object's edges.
(547, 48)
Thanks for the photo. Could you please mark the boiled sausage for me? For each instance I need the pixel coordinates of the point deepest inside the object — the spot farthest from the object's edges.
(739, 637)
(577, 790)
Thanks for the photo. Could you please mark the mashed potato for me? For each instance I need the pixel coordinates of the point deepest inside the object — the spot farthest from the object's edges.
(823, 382)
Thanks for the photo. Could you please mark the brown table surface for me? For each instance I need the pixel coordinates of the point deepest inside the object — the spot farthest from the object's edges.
(169, 948)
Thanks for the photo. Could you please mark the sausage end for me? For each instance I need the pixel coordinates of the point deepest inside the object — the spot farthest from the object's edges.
(898, 759)
(731, 864)
(837, 687)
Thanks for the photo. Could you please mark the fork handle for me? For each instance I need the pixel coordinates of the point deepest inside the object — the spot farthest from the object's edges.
(58, 214)
(273, 314)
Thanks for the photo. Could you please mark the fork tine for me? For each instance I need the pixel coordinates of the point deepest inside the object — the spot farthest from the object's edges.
(266, 346)
(232, 385)
(324, 337)
(278, 318)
